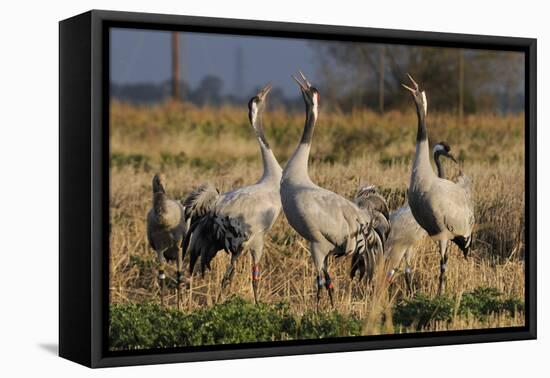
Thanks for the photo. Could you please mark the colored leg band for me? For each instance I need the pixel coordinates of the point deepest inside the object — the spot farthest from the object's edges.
(255, 273)
(408, 270)
(443, 267)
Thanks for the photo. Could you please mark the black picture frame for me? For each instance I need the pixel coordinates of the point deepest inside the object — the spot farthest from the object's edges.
(84, 192)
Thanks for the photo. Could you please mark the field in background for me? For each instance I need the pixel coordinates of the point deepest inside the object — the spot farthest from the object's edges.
(192, 145)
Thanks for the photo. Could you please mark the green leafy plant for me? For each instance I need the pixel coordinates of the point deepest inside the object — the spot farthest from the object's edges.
(421, 310)
(235, 321)
(487, 300)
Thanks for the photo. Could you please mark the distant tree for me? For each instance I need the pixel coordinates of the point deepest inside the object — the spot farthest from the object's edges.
(370, 75)
(139, 92)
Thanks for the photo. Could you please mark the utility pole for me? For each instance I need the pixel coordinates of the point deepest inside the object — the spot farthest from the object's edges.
(460, 84)
(175, 67)
(381, 69)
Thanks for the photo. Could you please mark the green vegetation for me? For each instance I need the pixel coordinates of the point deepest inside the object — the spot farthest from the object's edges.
(419, 311)
(148, 325)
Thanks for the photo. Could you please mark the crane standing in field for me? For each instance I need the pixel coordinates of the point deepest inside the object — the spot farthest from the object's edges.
(405, 231)
(166, 228)
(238, 220)
(444, 209)
(330, 223)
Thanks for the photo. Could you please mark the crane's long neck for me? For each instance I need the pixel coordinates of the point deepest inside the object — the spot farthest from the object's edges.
(271, 169)
(440, 170)
(422, 169)
(159, 203)
(297, 166)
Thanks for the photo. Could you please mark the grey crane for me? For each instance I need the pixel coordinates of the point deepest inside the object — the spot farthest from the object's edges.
(238, 220)
(444, 209)
(330, 223)
(405, 231)
(166, 228)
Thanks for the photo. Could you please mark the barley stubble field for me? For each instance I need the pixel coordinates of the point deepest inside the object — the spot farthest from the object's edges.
(191, 145)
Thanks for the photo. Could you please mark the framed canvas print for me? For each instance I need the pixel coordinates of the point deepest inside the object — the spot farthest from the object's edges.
(233, 188)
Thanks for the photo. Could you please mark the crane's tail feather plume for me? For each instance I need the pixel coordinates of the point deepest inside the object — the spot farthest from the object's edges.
(200, 201)
(368, 252)
(372, 238)
(212, 233)
(369, 199)
(463, 243)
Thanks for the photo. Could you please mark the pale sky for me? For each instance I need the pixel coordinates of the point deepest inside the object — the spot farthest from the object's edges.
(144, 56)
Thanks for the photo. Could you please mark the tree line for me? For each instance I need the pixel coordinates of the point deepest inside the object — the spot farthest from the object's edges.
(358, 75)
(465, 81)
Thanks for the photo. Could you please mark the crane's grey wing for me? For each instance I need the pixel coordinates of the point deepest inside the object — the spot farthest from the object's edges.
(347, 227)
(465, 182)
(256, 207)
(405, 230)
(332, 217)
(460, 218)
(231, 223)
(404, 235)
(454, 206)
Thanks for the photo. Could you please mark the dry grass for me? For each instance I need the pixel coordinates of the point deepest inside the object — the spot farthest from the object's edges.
(191, 146)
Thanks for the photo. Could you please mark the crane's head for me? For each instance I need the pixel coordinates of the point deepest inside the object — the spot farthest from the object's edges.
(418, 96)
(158, 183)
(257, 103)
(311, 94)
(443, 148)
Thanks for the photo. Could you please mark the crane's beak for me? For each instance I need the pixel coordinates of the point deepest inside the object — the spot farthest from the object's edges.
(305, 85)
(414, 84)
(264, 91)
(303, 88)
(305, 79)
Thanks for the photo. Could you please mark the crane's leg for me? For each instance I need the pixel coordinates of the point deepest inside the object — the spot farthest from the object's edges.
(409, 272)
(255, 279)
(228, 276)
(442, 266)
(328, 283)
(318, 259)
(179, 277)
(161, 275)
(257, 253)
